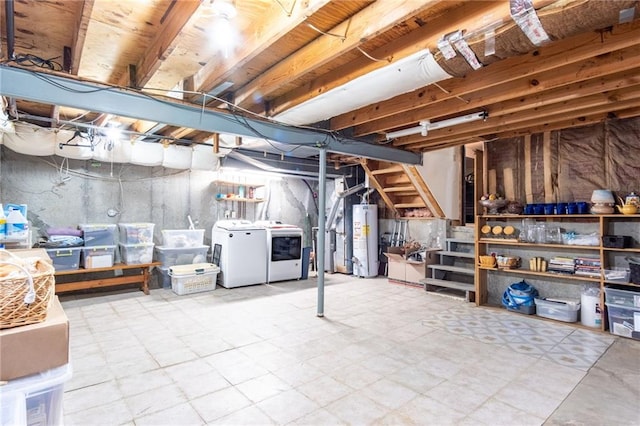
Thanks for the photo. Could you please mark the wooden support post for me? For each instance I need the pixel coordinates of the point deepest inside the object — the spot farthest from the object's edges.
(216, 143)
(548, 184)
(528, 187)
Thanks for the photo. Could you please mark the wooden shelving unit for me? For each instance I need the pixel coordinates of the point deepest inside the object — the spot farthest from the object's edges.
(602, 225)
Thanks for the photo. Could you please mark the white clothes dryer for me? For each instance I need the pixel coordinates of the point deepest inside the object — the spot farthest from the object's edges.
(239, 248)
(284, 249)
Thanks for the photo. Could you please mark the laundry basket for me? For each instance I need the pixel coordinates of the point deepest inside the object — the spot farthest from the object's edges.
(27, 287)
(195, 278)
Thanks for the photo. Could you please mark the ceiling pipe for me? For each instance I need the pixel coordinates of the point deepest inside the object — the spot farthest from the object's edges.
(11, 40)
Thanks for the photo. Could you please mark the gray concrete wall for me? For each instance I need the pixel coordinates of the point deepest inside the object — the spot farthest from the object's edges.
(87, 190)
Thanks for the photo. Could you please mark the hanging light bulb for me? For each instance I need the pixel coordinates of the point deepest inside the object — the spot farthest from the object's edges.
(222, 8)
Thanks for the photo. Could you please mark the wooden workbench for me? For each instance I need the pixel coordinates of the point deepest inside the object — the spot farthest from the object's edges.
(142, 277)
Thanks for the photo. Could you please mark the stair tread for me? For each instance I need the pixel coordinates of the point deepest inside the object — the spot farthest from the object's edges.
(386, 170)
(456, 254)
(403, 188)
(452, 268)
(409, 205)
(449, 284)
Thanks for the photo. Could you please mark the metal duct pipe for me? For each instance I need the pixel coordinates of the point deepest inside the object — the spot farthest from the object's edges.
(11, 39)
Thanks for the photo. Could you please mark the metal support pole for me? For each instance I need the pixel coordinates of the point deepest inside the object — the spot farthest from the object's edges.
(322, 195)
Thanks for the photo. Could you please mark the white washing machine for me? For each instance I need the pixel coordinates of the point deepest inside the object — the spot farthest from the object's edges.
(284, 248)
(239, 248)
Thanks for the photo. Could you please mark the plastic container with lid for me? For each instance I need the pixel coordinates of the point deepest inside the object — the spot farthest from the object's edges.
(136, 233)
(99, 234)
(135, 254)
(35, 399)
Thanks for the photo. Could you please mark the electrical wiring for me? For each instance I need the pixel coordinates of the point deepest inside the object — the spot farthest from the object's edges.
(29, 60)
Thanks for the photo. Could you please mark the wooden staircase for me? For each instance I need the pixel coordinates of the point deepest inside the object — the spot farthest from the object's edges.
(401, 187)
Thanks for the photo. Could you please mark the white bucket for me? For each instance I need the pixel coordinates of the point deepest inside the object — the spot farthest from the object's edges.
(590, 311)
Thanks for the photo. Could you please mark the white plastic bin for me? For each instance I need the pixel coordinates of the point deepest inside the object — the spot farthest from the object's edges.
(560, 310)
(187, 279)
(135, 254)
(182, 238)
(136, 233)
(36, 398)
(170, 256)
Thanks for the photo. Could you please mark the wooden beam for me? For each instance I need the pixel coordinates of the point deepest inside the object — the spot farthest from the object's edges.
(471, 16)
(602, 102)
(546, 58)
(83, 16)
(272, 27)
(164, 43)
(375, 19)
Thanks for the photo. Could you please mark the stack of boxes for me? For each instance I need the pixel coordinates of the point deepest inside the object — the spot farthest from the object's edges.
(136, 242)
(179, 247)
(100, 241)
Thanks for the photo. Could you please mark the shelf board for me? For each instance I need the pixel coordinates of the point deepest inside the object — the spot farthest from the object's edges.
(629, 250)
(544, 274)
(450, 268)
(560, 216)
(621, 283)
(243, 200)
(456, 254)
(230, 183)
(556, 246)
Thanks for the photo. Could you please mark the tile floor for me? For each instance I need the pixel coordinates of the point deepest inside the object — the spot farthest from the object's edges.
(384, 354)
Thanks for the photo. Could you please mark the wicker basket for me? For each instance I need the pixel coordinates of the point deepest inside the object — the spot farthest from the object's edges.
(487, 261)
(508, 262)
(24, 295)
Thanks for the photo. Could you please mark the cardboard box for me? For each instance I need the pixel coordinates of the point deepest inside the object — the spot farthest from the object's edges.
(408, 270)
(35, 348)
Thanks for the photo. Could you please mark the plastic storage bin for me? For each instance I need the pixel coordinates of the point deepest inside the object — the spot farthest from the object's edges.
(133, 254)
(170, 256)
(625, 298)
(623, 320)
(178, 238)
(187, 279)
(616, 275)
(99, 234)
(164, 279)
(136, 233)
(98, 256)
(35, 399)
(65, 259)
(560, 310)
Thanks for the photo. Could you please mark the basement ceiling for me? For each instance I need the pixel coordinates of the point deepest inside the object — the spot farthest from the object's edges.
(357, 70)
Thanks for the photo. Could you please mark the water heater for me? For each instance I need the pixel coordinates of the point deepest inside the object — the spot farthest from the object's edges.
(365, 240)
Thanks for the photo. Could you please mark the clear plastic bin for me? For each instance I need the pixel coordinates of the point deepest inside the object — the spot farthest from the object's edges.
(170, 256)
(560, 310)
(65, 259)
(36, 398)
(134, 254)
(98, 256)
(622, 320)
(136, 233)
(99, 234)
(622, 297)
(182, 238)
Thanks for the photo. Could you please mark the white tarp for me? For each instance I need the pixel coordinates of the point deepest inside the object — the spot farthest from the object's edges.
(118, 151)
(32, 140)
(147, 154)
(204, 158)
(177, 157)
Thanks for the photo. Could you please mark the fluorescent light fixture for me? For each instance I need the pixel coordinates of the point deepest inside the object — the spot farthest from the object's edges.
(426, 125)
